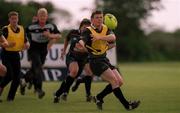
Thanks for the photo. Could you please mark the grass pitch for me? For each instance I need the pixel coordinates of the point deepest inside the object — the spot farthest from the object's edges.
(157, 85)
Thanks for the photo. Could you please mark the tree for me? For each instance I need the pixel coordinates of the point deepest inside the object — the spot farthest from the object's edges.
(27, 11)
(165, 45)
(132, 42)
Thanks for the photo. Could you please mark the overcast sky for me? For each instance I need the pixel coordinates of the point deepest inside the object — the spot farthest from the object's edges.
(74, 7)
(168, 18)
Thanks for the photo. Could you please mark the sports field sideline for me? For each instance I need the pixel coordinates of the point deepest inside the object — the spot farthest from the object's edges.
(157, 85)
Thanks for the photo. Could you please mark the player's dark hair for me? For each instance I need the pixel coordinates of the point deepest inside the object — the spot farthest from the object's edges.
(96, 12)
(85, 21)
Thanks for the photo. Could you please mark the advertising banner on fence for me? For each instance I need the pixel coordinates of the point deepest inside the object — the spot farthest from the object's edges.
(55, 68)
(53, 58)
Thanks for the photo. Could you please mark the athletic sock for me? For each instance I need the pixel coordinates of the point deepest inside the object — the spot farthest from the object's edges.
(88, 80)
(69, 82)
(61, 89)
(118, 93)
(81, 80)
(107, 90)
(78, 82)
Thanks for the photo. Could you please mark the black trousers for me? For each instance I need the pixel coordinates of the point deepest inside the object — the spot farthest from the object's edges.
(12, 62)
(37, 58)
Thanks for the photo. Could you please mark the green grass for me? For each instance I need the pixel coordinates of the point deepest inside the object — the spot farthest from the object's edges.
(157, 85)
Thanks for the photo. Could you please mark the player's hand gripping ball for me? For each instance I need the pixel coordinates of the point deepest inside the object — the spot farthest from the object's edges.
(110, 21)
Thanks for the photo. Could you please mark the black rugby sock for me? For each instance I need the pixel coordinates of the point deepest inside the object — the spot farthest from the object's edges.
(88, 80)
(107, 90)
(61, 89)
(118, 93)
(69, 82)
(78, 82)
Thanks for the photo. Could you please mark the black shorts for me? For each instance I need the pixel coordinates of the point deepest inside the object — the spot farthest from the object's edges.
(80, 60)
(37, 56)
(99, 65)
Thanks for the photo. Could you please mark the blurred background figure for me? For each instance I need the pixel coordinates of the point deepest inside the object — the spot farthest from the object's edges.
(42, 34)
(15, 35)
(76, 61)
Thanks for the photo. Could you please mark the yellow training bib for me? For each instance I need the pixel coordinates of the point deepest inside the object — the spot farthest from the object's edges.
(98, 47)
(17, 38)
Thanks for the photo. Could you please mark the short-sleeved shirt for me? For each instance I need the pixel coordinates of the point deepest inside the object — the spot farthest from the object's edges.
(13, 53)
(89, 43)
(73, 37)
(97, 49)
(34, 33)
(17, 36)
(5, 32)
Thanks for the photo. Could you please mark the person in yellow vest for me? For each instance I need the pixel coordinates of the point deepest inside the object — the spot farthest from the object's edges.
(96, 39)
(15, 36)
